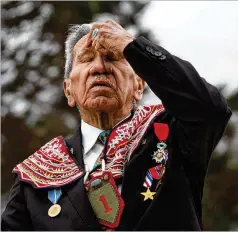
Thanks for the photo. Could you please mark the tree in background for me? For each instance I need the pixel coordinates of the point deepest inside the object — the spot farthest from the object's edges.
(220, 203)
(34, 109)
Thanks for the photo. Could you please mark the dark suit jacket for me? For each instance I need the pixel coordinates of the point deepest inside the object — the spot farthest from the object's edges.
(196, 114)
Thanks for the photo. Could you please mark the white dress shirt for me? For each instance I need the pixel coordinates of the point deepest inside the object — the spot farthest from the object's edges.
(92, 147)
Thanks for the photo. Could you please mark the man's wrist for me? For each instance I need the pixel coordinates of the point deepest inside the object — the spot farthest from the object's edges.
(129, 41)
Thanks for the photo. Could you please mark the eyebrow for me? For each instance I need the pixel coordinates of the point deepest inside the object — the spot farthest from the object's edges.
(81, 52)
(85, 50)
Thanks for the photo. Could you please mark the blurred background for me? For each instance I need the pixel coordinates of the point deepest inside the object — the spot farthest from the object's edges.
(33, 107)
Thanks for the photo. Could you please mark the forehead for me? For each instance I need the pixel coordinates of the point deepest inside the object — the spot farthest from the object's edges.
(80, 44)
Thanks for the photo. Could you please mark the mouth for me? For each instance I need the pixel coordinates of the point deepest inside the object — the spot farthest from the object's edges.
(101, 84)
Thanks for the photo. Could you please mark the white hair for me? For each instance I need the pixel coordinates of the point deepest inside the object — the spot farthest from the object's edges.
(76, 32)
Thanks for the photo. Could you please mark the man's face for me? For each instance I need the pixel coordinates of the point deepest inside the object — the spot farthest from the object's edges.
(101, 82)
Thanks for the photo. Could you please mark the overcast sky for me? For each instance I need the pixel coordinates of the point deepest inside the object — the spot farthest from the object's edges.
(204, 32)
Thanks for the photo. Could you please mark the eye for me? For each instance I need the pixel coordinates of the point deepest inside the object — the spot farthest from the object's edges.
(110, 57)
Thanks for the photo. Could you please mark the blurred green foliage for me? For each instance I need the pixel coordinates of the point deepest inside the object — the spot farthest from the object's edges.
(34, 109)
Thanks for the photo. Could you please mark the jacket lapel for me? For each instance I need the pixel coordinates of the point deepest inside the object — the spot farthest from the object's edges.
(76, 192)
(75, 147)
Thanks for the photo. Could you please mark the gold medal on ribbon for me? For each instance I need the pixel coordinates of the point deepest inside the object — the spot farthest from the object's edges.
(54, 210)
(54, 195)
(105, 199)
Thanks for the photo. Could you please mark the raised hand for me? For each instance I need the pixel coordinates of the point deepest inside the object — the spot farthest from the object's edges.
(109, 36)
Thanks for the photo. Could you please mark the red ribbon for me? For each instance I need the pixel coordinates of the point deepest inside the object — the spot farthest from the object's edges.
(161, 130)
(154, 173)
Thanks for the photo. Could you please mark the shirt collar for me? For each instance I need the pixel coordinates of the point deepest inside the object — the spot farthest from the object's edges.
(90, 134)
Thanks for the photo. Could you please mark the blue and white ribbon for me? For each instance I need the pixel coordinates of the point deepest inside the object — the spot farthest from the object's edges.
(54, 195)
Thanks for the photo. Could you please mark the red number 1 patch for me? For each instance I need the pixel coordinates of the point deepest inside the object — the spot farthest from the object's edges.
(105, 204)
(105, 199)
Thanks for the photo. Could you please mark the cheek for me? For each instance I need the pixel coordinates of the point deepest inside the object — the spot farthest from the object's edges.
(79, 79)
(125, 78)
(125, 70)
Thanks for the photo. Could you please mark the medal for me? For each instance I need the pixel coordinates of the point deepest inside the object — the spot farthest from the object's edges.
(161, 154)
(54, 195)
(148, 194)
(54, 210)
(105, 199)
(158, 156)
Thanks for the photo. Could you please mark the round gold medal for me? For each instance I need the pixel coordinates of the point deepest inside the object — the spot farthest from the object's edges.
(54, 210)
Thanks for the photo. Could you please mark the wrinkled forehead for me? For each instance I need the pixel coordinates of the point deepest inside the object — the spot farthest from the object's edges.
(80, 45)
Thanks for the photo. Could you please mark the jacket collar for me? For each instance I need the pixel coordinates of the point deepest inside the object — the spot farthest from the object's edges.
(75, 146)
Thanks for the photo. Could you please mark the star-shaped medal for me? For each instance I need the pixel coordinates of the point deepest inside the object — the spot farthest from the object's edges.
(148, 194)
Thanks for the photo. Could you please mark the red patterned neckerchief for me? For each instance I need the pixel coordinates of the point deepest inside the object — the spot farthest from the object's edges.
(50, 167)
(125, 138)
(53, 166)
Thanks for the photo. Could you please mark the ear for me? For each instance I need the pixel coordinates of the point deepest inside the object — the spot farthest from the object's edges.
(68, 92)
(140, 86)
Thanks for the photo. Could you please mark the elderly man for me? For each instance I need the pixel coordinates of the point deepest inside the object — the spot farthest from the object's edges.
(127, 167)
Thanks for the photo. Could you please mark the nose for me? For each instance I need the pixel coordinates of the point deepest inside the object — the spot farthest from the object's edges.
(98, 65)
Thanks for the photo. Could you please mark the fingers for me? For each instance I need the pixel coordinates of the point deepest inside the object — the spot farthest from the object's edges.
(97, 44)
(108, 36)
(99, 28)
(97, 39)
(91, 37)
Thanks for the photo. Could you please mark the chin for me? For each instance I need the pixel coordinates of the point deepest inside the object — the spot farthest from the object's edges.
(103, 104)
